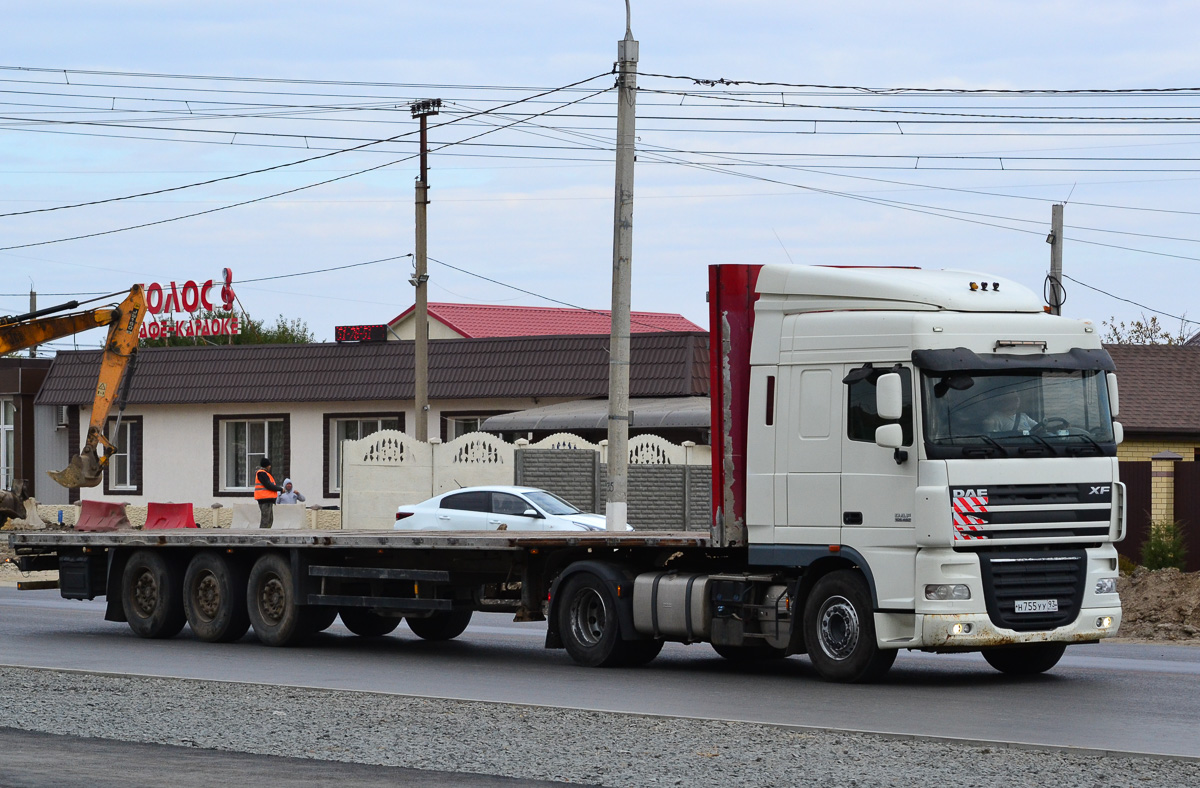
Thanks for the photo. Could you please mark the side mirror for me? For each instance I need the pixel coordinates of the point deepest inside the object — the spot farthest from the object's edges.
(531, 513)
(1114, 400)
(1118, 432)
(889, 436)
(889, 397)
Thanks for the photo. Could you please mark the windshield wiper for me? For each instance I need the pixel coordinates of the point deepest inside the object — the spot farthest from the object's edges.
(1080, 449)
(991, 448)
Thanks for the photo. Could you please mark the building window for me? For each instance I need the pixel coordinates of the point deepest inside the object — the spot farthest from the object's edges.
(351, 427)
(240, 443)
(8, 445)
(458, 424)
(124, 474)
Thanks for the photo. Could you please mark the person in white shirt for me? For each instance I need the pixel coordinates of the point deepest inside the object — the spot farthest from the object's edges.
(1007, 417)
(289, 494)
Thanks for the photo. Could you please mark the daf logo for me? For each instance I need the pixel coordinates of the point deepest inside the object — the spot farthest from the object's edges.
(1100, 490)
(970, 493)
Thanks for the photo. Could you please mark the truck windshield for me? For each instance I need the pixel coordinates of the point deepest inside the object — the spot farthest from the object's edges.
(1027, 414)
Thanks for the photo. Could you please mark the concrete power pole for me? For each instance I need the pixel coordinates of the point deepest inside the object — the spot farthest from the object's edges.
(1056, 245)
(617, 510)
(420, 279)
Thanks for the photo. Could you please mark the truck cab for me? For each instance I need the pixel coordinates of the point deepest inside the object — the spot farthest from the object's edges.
(938, 436)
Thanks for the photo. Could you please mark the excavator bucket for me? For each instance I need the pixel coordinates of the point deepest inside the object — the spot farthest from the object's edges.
(84, 470)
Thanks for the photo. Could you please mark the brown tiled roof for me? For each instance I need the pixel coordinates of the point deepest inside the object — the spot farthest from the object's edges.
(1160, 387)
(663, 365)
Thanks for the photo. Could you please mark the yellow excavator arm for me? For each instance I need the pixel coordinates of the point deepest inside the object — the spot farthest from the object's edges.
(120, 349)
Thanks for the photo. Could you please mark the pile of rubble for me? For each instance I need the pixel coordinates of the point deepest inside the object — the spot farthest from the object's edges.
(1160, 605)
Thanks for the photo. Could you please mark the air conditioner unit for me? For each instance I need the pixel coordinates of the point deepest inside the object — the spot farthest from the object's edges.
(62, 415)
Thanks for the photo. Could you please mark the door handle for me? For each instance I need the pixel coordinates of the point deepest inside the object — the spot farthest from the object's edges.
(852, 518)
(443, 517)
(495, 522)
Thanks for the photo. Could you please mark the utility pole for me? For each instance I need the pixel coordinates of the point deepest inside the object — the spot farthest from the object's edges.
(420, 278)
(32, 310)
(1056, 244)
(617, 510)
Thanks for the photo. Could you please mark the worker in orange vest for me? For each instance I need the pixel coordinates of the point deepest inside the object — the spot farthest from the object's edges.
(265, 492)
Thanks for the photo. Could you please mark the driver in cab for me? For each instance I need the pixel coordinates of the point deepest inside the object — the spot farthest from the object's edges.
(1008, 416)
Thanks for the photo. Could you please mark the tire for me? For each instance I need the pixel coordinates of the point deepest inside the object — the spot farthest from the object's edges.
(151, 595)
(271, 602)
(320, 618)
(1027, 660)
(839, 630)
(440, 626)
(590, 626)
(214, 599)
(755, 650)
(367, 623)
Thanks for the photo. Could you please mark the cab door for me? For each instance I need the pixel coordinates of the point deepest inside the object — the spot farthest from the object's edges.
(810, 439)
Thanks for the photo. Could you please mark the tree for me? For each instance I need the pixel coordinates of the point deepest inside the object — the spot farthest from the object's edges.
(1147, 331)
(253, 332)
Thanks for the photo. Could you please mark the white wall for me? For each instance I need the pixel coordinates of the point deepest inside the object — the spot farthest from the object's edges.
(177, 444)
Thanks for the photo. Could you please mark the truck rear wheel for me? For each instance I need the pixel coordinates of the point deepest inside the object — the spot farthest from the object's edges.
(320, 618)
(151, 596)
(1025, 660)
(270, 599)
(839, 630)
(367, 623)
(440, 626)
(214, 598)
(590, 626)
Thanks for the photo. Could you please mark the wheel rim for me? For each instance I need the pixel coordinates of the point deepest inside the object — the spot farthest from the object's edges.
(271, 600)
(840, 628)
(145, 594)
(208, 596)
(589, 617)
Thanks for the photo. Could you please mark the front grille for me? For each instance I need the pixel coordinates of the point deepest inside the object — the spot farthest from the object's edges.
(1030, 511)
(1009, 577)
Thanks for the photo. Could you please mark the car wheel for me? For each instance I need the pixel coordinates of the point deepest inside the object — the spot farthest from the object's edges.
(367, 623)
(440, 626)
(839, 630)
(214, 599)
(151, 595)
(1025, 660)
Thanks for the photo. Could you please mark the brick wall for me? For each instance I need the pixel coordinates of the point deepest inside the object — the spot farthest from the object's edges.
(570, 474)
(1143, 450)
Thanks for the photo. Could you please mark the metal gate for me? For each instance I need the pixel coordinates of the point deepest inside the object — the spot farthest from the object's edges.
(1136, 476)
(1187, 509)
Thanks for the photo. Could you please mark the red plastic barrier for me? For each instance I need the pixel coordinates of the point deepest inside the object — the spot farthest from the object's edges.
(160, 516)
(101, 516)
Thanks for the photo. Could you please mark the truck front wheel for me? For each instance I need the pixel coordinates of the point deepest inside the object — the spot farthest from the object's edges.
(270, 599)
(839, 630)
(214, 599)
(151, 596)
(1025, 660)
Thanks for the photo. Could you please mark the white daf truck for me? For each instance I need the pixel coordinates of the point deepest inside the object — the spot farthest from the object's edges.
(903, 459)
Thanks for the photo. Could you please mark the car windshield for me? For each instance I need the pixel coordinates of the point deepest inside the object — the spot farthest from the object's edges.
(551, 503)
(1030, 413)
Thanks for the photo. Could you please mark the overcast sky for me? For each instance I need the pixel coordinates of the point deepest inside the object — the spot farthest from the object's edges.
(743, 175)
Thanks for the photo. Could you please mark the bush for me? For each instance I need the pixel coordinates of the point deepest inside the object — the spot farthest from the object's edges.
(1126, 565)
(1164, 547)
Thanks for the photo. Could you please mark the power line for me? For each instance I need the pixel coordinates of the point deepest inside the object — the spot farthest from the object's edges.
(1129, 301)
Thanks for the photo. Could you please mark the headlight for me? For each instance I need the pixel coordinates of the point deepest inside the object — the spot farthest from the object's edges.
(946, 591)
(1106, 585)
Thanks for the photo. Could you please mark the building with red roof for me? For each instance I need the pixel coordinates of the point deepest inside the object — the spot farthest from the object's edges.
(472, 321)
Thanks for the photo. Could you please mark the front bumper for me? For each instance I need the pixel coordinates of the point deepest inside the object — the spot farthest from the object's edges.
(976, 630)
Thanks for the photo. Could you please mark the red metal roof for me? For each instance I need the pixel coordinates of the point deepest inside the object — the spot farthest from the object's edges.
(487, 320)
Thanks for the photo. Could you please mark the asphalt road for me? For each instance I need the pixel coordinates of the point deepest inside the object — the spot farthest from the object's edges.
(1116, 697)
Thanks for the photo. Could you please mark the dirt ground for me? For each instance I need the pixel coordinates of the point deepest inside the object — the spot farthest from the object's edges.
(1162, 605)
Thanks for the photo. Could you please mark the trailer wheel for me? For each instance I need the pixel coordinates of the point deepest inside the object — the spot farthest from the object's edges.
(640, 652)
(274, 614)
(440, 626)
(151, 597)
(367, 623)
(320, 618)
(1026, 660)
(839, 630)
(214, 598)
(754, 650)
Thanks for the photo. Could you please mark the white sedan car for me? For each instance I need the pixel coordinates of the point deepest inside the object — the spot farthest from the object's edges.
(496, 509)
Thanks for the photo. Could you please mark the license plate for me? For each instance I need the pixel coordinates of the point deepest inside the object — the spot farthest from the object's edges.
(1036, 606)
